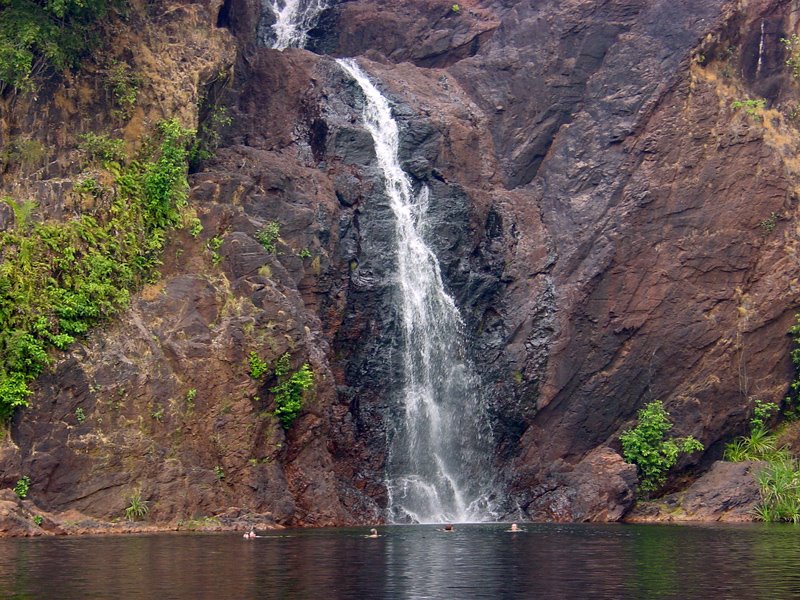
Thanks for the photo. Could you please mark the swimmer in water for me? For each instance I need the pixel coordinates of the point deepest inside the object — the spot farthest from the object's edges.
(514, 528)
(373, 533)
(249, 535)
(448, 527)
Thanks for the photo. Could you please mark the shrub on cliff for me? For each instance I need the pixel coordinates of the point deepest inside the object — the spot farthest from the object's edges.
(647, 446)
(35, 35)
(289, 394)
(57, 279)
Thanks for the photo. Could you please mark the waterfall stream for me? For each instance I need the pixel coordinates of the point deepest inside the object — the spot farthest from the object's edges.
(439, 460)
(293, 20)
(439, 466)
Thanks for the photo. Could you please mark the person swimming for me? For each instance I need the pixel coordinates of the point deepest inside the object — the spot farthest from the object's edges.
(249, 535)
(448, 527)
(515, 529)
(373, 533)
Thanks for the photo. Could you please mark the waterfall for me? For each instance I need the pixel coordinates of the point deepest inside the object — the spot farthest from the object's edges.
(293, 20)
(439, 461)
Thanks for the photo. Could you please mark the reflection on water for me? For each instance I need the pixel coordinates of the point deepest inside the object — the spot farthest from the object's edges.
(475, 561)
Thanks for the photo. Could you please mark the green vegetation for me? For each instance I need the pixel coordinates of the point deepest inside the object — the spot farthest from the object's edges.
(24, 153)
(455, 8)
(768, 224)
(102, 149)
(80, 416)
(760, 444)
(751, 107)
(195, 227)
(214, 244)
(137, 508)
(22, 486)
(208, 135)
(304, 253)
(257, 366)
(40, 35)
(779, 481)
(123, 84)
(283, 364)
(779, 485)
(57, 279)
(647, 446)
(289, 393)
(157, 414)
(38, 520)
(268, 235)
(219, 473)
(792, 400)
(792, 46)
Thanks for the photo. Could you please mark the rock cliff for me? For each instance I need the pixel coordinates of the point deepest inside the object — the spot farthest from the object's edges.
(613, 230)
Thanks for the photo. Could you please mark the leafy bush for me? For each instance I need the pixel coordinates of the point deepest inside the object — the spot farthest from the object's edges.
(289, 395)
(647, 446)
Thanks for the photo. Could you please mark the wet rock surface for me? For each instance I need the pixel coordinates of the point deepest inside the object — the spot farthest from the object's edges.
(598, 210)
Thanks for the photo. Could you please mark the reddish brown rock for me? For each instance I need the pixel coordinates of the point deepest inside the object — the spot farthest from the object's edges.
(613, 231)
(726, 492)
(600, 488)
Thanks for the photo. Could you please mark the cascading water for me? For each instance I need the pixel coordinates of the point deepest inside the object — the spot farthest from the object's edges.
(439, 466)
(293, 20)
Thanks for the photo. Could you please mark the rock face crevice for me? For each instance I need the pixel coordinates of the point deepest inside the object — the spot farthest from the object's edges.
(612, 229)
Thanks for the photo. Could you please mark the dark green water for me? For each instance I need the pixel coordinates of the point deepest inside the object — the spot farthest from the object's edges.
(475, 561)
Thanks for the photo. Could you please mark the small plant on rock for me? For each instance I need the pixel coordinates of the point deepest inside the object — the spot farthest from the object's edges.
(268, 236)
(22, 487)
(760, 443)
(752, 107)
(257, 366)
(137, 509)
(647, 446)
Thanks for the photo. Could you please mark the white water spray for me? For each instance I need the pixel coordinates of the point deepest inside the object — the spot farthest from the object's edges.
(439, 466)
(293, 20)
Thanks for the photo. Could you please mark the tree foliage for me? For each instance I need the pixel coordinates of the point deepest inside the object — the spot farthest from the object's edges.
(36, 34)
